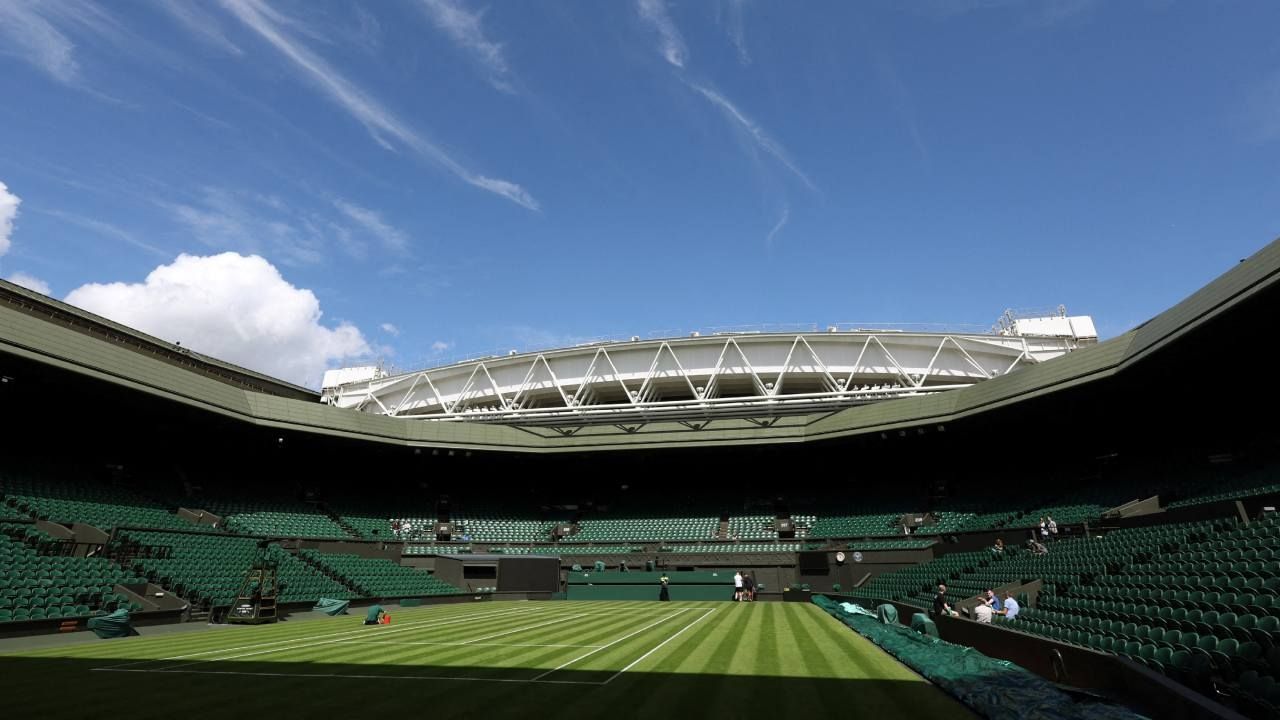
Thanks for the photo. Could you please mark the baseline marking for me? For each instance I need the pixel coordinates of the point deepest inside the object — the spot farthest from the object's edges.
(664, 642)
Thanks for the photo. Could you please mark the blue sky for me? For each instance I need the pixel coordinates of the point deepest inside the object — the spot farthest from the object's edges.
(449, 176)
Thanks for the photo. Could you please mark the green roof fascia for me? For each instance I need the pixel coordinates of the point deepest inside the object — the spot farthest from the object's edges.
(52, 343)
(53, 305)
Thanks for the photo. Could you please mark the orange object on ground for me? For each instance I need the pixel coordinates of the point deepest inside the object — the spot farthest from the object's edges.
(386, 619)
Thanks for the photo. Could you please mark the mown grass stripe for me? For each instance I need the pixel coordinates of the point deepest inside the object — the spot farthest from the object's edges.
(446, 655)
(284, 647)
(388, 654)
(779, 659)
(612, 627)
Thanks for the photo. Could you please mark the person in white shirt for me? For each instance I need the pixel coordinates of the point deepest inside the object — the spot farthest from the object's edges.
(737, 585)
(1053, 528)
(1011, 607)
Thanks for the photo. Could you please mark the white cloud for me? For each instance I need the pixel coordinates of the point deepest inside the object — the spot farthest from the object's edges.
(234, 307)
(380, 122)
(670, 42)
(754, 131)
(440, 346)
(8, 213)
(463, 27)
(372, 222)
(29, 282)
(390, 329)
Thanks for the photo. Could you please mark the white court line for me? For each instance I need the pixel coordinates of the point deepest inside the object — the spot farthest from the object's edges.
(306, 644)
(664, 642)
(615, 642)
(364, 629)
(358, 677)
(414, 642)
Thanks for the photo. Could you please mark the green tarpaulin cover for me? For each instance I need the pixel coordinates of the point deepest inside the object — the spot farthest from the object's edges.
(114, 625)
(887, 614)
(993, 688)
(922, 624)
(374, 610)
(329, 606)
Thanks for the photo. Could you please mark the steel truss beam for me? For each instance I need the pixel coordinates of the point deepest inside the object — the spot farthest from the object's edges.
(696, 380)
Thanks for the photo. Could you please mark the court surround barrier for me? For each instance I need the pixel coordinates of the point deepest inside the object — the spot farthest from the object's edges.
(641, 585)
(992, 688)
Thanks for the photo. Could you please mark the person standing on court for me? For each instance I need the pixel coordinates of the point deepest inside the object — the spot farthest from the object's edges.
(664, 594)
(737, 585)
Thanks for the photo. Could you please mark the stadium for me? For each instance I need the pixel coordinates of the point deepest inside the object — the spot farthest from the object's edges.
(566, 531)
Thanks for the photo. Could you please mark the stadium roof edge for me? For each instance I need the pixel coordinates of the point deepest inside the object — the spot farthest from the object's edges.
(34, 332)
(20, 297)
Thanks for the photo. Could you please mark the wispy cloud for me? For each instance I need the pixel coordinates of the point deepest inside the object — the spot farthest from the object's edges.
(51, 36)
(441, 346)
(777, 228)
(670, 41)
(390, 329)
(368, 33)
(754, 132)
(26, 32)
(371, 221)
(735, 26)
(29, 282)
(464, 28)
(902, 100)
(105, 229)
(203, 116)
(231, 220)
(381, 123)
(199, 23)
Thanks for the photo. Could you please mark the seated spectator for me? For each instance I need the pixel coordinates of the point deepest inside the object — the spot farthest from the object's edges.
(983, 612)
(999, 546)
(1011, 607)
(994, 601)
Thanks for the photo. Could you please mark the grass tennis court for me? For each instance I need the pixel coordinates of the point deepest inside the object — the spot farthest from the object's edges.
(572, 659)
